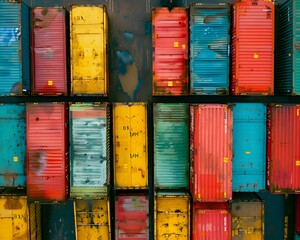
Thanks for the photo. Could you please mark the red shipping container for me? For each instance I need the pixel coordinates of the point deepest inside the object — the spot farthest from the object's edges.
(298, 214)
(283, 151)
(211, 221)
(211, 152)
(170, 51)
(49, 51)
(252, 47)
(46, 151)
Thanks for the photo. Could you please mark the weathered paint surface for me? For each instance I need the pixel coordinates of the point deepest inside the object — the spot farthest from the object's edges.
(131, 220)
(171, 145)
(89, 30)
(249, 147)
(49, 51)
(211, 152)
(35, 221)
(12, 145)
(130, 145)
(170, 51)
(14, 219)
(92, 219)
(88, 149)
(172, 216)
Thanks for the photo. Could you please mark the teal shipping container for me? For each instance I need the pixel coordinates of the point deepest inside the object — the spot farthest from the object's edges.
(12, 145)
(14, 48)
(209, 48)
(287, 70)
(89, 163)
(171, 145)
(249, 147)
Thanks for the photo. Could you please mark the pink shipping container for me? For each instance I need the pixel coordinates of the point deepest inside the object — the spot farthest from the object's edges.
(297, 214)
(211, 221)
(170, 51)
(211, 152)
(49, 51)
(46, 151)
(132, 217)
(252, 47)
(283, 151)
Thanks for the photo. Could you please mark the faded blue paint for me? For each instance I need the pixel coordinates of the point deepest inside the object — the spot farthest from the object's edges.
(171, 146)
(249, 147)
(209, 48)
(12, 145)
(297, 237)
(128, 36)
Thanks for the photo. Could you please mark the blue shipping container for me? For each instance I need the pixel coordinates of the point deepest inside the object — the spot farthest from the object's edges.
(14, 48)
(287, 70)
(249, 147)
(209, 48)
(12, 145)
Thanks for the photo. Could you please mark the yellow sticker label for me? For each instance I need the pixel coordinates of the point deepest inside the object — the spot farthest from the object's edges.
(176, 44)
(298, 163)
(225, 159)
(248, 153)
(16, 159)
(183, 46)
(225, 194)
(50, 83)
(255, 55)
(297, 112)
(199, 195)
(170, 84)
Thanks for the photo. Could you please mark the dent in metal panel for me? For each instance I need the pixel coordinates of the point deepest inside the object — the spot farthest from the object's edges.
(171, 145)
(209, 48)
(12, 145)
(130, 145)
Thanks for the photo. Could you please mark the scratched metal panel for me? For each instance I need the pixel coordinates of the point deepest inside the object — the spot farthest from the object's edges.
(12, 145)
(171, 145)
(35, 221)
(89, 156)
(130, 145)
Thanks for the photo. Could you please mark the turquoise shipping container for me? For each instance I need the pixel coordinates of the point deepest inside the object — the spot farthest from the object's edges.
(249, 147)
(171, 145)
(14, 48)
(209, 48)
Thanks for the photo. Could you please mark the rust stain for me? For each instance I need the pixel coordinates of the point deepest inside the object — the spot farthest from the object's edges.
(12, 204)
(10, 178)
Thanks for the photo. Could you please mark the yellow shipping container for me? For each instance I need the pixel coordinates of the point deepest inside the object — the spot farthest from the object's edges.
(88, 33)
(92, 219)
(130, 145)
(172, 216)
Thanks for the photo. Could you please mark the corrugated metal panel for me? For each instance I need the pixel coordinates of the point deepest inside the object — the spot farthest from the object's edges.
(209, 48)
(130, 145)
(170, 51)
(249, 146)
(35, 221)
(211, 221)
(132, 218)
(253, 47)
(283, 171)
(12, 145)
(89, 30)
(46, 152)
(89, 165)
(297, 222)
(172, 216)
(49, 51)
(92, 219)
(211, 152)
(14, 48)
(14, 220)
(171, 145)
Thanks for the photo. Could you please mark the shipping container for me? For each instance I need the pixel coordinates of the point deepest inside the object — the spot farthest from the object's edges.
(247, 217)
(131, 217)
(209, 48)
(283, 164)
(89, 150)
(12, 145)
(172, 216)
(211, 152)
(130, 141)
(287, 55)
(170, 51)
(35, 221)
(49, 51)
(92, 219)
(211, 221)
(46, 152)
(252, 47)
(14, 219)
(88, 34)
(14, 48)
(171, 145)
(297, 201)
(249, 147)
(297, 236)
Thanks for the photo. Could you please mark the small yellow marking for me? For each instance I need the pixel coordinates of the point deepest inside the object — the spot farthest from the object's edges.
(16, 159)
(50, 83)
(176, 44)
(255, 55)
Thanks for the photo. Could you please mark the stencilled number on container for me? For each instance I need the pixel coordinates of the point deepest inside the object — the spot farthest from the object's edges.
(134, 155)
(134, 134)
(78, 18)
(125, 128)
